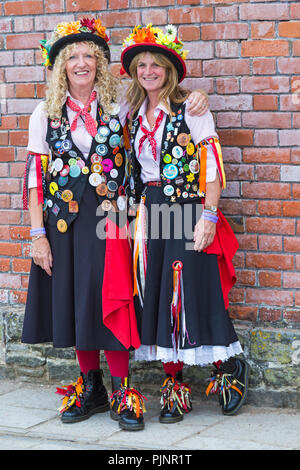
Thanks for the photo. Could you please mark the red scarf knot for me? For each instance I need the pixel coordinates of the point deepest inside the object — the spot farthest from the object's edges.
(90, 123)
(150, 134)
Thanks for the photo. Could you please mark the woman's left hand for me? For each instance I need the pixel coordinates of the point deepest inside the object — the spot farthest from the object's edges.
(198, 103)
(204, 234)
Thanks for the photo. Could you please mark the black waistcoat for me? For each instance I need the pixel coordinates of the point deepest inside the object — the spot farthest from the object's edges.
(69, 172)
(179, 161)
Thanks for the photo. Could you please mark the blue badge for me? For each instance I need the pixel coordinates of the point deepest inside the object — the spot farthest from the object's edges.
(101, 149)
(170, 171)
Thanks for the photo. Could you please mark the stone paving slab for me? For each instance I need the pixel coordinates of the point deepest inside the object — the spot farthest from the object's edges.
(29, 420)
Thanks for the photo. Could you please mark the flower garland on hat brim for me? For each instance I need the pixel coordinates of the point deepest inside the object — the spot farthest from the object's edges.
(85, 25)
(154, 35)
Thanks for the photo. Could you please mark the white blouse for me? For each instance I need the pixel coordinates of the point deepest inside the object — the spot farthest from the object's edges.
(200, 127)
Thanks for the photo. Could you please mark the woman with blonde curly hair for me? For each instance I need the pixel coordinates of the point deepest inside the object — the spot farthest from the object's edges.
(80, 288)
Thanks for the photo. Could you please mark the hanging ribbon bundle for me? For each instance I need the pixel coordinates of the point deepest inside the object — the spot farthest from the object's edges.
(72, 394)
(41, 162)
(223, 383)
(140, 252)
(178, 319)
(176, 394)
(129, 399)
(216, 148)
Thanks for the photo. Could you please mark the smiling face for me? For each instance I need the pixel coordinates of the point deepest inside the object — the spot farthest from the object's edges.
(81, 67)
(150, 75)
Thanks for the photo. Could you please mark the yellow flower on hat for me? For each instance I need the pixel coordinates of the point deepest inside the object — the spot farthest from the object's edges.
(99, 28)
(64, 29)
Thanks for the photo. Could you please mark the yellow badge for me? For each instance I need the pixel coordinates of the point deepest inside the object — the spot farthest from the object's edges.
(62, 225)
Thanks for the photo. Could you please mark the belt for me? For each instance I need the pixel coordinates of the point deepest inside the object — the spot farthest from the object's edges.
(154, 183)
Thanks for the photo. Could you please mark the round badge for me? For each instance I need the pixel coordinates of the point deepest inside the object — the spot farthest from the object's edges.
(105, 118)
(101, 189)
(112, 186)
(53, 187)
(95, 158)
(106, 205)
(194, 166)
(80, 163)
(58, 164)
(62, 180)
(85, 170)
(169, 190)
(96, 168)
(167, 158)
(66, 145)
(190, 148)
(101, 149)
(65, 170)
(73, 154)
(183, 139)
(114, 125)
(95, 179)
(57, 144)
(170, 171)
(121, 203)
(74, 171)
(107, 165)
(49, 203)
(104, 131)
(100, 138)
(179, 117)
(55, 123)
(177, 152)
(114, 140)
(67, 195)
(72, 161)
(118, 159)
(114, 173)
(62, 225)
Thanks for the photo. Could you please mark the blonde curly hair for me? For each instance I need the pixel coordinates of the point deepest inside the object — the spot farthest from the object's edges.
(106, 84)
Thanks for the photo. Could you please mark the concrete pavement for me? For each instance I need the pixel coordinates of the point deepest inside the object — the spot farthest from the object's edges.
(29, 421)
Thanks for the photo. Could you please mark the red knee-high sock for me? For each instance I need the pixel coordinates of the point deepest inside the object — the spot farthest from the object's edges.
(88, 360)
(171, 368)
(118, 363)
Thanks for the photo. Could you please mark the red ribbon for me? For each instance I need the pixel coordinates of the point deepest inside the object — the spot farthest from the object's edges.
(150, 134)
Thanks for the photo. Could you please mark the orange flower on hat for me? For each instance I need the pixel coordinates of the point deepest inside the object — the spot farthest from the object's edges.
(100, 30)
(64, 29)
(143, 35)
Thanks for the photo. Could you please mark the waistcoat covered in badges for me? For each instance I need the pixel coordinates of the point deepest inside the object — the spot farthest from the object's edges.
(68, 171)
(179, 161)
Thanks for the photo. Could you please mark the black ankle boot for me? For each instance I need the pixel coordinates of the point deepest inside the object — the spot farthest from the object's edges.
(127, 405)
(230, 379)
(84, 398)
(175, 399)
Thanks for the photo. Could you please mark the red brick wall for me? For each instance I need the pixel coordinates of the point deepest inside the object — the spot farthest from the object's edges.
(246, 55)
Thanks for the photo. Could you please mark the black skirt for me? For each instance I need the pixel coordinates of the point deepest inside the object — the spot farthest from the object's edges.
(207, 334)
(66, 308)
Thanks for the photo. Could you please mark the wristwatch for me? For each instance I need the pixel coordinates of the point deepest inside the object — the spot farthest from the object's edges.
(211, 208)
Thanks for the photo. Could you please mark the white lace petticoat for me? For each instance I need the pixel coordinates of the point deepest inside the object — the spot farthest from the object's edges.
(201, 356)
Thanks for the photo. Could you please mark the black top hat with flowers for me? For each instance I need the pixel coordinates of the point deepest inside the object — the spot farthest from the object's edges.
(86, 29)
(151, 39)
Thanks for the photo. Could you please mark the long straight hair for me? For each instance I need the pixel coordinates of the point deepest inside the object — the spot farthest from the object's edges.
(136, 93)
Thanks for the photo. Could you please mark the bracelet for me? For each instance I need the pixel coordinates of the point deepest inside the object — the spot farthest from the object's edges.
(210, 217)
(37, 231)
(36, 237)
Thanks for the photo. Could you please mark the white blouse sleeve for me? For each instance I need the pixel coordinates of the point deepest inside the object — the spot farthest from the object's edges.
(37, 140)
(202, 127)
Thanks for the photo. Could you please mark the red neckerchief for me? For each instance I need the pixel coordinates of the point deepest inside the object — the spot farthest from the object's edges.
(90, 124)
(150, 134)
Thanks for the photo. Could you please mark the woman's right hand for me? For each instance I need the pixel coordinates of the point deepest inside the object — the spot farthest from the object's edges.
(42, 255)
